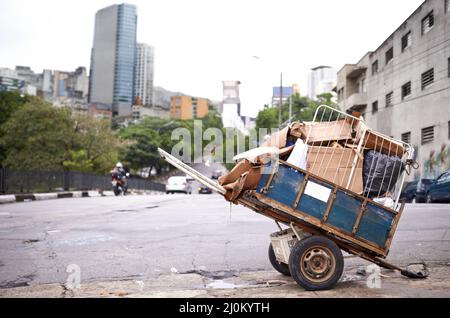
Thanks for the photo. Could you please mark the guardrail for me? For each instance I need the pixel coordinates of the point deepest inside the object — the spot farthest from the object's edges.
(12, 181)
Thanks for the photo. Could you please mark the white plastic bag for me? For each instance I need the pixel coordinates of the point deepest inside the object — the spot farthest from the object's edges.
(298, 155)
(387, 202)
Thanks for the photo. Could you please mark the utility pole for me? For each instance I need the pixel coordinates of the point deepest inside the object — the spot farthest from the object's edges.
(281, 100)
(290, 109)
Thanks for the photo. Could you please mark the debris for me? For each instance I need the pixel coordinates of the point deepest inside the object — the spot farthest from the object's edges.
(361, 271)
(174, 270)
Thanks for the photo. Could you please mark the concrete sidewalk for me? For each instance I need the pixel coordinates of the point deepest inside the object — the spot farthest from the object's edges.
(11, 198)
(255, 284)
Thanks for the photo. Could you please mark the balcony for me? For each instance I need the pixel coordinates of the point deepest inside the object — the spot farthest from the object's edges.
(356, 101)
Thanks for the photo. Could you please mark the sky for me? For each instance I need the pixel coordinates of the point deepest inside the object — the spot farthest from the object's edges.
(200, 43)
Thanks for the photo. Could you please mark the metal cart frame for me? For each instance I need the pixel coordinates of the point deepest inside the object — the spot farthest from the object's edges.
(310, 248)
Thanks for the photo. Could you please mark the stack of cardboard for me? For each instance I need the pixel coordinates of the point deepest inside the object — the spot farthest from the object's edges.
(332, 154)
(335, 165)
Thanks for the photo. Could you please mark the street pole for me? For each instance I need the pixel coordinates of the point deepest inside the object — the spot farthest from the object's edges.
(290, 109)
(281, 100)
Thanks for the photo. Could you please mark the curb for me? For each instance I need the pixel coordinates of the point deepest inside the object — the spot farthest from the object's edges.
(12, 198)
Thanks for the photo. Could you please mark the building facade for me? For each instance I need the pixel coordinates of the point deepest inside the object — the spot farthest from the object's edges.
(321, 79)
(351, 85)
(113, 58)
(281, 95)
(407, 87)
(187, 107)
(231, 105)
(10, 81)
(143, 76)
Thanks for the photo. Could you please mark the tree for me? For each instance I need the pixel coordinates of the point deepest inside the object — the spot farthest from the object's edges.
(93, 140)
(9, 103)
(267, 118)
(36, 137)
(39, 136)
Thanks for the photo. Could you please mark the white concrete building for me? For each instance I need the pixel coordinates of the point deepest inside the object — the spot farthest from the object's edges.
(144, 74)
(406, 84)
(321, 79)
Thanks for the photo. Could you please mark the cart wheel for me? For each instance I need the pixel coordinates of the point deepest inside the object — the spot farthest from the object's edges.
(280, 267)
(316, 263)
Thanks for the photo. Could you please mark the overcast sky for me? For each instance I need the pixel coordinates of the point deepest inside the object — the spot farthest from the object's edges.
(199, 43)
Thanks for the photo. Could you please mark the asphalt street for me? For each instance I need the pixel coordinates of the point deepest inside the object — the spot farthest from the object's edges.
(142, 238)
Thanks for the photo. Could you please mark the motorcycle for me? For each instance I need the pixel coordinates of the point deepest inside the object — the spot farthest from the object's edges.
(119, 183)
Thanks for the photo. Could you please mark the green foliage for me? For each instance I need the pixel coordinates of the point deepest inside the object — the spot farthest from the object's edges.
(303, 109)
(78, 161)
(39, 136)
(267, 118)
(143, 140)
(36, 137)
(9, 103)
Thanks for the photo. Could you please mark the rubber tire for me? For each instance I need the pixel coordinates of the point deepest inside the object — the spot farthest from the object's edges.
(116, 192)
(300, 248)
(279, 267)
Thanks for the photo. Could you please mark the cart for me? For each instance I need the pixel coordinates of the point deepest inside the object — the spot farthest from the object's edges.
(323, 217)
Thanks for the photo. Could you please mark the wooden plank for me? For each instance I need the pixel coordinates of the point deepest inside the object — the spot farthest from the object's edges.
(358, 219)
(301, 190)
(387, 246)
(329, 205)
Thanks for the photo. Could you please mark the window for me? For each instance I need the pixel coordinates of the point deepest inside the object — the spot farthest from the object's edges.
(375, 107)
(427, 78)
(427, 23)
(406, 137)
(406, 90)
(389, 99)
(427, 135)
(375, 67)
(406, 41)
(389, 55)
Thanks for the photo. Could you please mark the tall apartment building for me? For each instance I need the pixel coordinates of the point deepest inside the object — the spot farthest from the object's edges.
(321, 79)
(113, 58)
(403, 87)
(10, 81)
(187, 107)
(143, 74)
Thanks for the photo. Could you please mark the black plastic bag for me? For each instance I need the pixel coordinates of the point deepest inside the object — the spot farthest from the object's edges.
(381, 173)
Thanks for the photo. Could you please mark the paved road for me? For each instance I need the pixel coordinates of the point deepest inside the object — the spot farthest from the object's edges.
(142, 238)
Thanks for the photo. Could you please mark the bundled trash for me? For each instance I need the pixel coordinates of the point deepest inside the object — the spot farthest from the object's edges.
(344, 151)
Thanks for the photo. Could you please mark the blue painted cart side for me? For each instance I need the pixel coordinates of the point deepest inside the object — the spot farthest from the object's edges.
(326, 206)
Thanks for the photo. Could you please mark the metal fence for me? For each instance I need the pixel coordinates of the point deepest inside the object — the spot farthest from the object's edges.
(12, 181)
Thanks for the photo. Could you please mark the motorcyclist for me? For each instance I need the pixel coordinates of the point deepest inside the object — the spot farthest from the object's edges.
(121, 174)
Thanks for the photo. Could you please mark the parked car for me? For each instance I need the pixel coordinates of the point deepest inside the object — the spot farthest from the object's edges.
(216, 174)
(416, 191)
(204, 190)
(178, 185)
(439, 191)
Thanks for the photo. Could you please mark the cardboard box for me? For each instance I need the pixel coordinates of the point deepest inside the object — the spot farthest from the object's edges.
(335, 165)
(322, 133)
